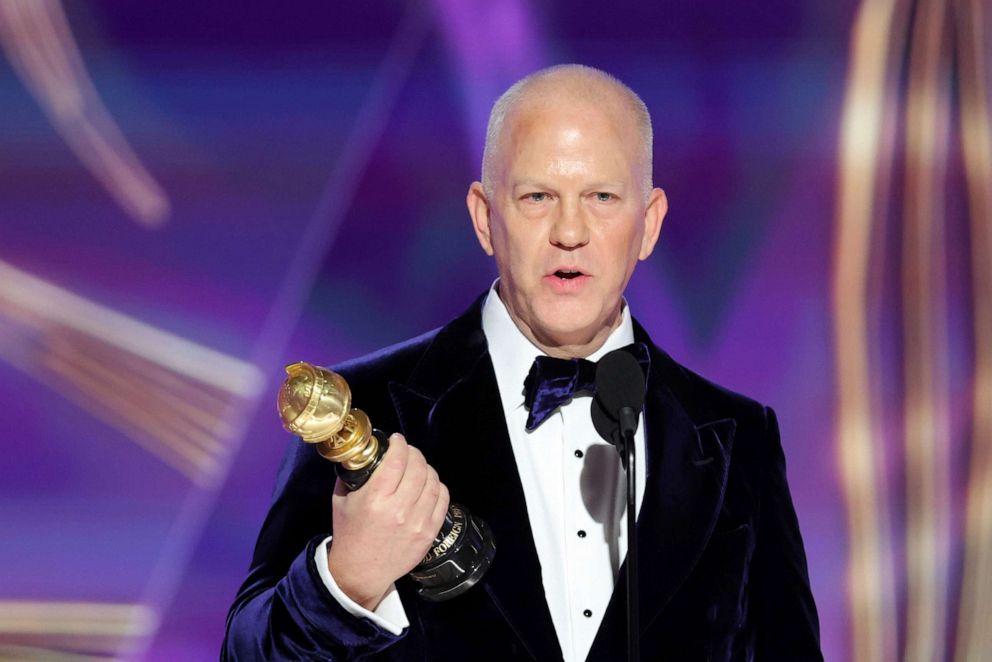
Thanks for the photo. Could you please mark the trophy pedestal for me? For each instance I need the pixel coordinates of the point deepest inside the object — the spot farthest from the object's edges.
(461, 566)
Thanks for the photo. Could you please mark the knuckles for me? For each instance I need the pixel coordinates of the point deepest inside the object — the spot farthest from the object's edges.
(420, 532)
(378, 506)
(426, 534)
(394, 464)
(415, 460)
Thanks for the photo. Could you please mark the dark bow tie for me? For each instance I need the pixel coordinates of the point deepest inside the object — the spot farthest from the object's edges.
(552, 382)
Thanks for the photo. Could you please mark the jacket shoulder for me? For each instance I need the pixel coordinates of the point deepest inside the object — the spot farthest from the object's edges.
(704, 399)
(369, 376)
(391, 363)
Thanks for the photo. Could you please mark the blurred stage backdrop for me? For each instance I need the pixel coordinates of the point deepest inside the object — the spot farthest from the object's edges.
(194, 194)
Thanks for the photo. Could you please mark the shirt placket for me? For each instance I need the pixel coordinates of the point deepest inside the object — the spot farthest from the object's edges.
(583, 535)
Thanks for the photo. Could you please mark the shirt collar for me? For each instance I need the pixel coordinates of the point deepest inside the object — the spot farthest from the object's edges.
(513, 353)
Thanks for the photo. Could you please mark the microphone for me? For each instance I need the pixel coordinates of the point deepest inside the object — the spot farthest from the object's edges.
(619, 397)
(615, 411)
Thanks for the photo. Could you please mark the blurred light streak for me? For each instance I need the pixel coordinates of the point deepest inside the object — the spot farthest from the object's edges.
(493, 43)
(93, 618)
(40, 45)
(860, 455)
(45, 630)
(925, 351)
(312, 247)
(110, 399)
(140, 380)
(974, 635)
(35, 654)
(167, 394)
(31, 298)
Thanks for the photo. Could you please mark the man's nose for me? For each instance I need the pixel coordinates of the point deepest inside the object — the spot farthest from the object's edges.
(571, 228)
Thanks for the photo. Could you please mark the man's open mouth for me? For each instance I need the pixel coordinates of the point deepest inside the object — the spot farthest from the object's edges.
(566, 274)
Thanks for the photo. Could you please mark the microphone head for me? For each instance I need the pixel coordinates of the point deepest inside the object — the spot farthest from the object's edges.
(619, 383)
(606, 426)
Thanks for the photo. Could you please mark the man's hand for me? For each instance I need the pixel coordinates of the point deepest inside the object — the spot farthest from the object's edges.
(384, 529)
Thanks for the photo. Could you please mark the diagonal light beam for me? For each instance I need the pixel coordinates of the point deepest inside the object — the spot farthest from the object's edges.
(40, 45)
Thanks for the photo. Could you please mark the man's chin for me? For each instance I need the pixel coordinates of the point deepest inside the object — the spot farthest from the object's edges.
(567, 321)
(570, 331)
(570, 315)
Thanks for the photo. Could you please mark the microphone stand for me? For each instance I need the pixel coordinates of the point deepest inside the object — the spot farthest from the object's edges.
(620, 388)
(628, 423)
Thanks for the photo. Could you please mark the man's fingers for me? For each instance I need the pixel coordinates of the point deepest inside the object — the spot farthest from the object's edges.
(428, 494)
(417, 471)
(427, 514)
(389, 474)
(440, 508)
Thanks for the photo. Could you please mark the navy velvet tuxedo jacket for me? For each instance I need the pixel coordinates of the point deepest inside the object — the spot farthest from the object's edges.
(723, 571)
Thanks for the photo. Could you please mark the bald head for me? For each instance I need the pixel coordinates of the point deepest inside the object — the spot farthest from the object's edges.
(572, 86)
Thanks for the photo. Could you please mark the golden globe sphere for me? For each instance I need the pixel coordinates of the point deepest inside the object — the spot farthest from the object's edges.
(313, 402)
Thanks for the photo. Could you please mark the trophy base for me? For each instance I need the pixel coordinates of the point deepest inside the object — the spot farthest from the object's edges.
(459, 570)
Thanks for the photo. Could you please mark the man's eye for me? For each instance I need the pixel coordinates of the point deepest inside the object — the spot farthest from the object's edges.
(604, 197)
(537, 197)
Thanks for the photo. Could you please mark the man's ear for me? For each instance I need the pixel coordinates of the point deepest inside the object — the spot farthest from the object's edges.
(478, 209)
(654, 215)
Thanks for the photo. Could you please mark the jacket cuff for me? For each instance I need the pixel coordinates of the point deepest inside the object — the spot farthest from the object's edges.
(388, 615)
(316, 610)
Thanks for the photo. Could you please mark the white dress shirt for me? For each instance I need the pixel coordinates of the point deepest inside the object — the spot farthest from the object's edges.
(573, 486)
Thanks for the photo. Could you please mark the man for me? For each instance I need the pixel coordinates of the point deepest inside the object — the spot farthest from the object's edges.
(566, 207)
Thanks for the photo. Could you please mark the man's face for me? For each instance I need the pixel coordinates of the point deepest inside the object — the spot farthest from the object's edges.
(568, 220)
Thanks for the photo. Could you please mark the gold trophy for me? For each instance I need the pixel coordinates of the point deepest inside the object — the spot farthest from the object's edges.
(315, 404)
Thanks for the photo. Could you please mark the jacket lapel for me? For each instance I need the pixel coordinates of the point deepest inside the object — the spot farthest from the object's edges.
(687, 466)
(451, 404)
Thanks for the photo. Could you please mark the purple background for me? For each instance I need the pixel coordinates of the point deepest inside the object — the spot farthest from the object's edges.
(316, 157)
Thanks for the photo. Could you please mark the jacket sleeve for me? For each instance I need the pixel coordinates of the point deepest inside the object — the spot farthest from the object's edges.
(284, 611)
(783, 612)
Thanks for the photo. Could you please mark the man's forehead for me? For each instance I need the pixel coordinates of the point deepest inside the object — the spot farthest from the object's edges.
(525, 109)
(566, 136)
(543, 107)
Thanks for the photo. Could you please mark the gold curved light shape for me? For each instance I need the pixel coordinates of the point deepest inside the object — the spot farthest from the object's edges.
(974, 635)
(861, 166)
(925, 344)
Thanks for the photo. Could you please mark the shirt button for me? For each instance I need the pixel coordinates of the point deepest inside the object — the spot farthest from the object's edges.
(582, 534)
(587, 613)
(578, 453)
